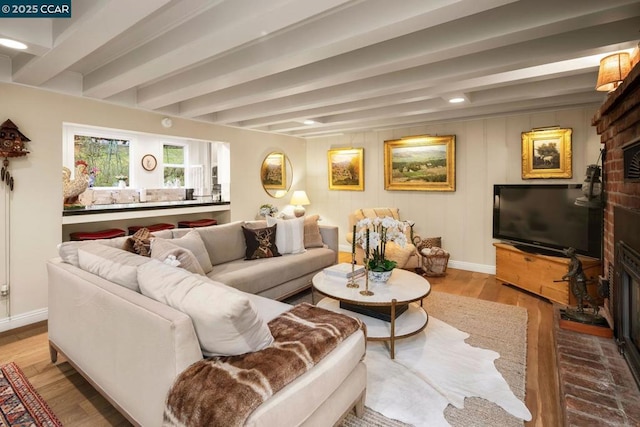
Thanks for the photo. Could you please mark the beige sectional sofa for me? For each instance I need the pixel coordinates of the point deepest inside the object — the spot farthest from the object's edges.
(132, 345)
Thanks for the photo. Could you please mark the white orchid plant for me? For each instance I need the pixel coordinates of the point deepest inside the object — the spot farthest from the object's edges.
(374, 234)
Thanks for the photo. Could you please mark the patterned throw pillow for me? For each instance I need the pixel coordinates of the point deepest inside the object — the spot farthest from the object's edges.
(139, 243)
(261, 242)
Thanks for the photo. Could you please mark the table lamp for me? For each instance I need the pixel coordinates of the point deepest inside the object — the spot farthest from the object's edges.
(299, 199)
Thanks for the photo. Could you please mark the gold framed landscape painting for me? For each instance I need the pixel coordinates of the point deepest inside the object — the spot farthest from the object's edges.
(546, 153)
(272, 172)
(420, 163)
(346, 169)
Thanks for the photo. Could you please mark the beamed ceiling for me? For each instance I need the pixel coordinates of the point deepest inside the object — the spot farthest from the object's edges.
(349, 65)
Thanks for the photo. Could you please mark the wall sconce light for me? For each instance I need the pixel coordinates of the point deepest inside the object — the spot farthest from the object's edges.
(613, 69)
(591, 187)
(299, 199)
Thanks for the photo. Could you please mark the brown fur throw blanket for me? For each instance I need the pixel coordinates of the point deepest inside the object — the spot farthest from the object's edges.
(224, 391)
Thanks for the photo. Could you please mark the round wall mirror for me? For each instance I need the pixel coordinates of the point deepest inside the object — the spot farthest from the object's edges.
(276, 174)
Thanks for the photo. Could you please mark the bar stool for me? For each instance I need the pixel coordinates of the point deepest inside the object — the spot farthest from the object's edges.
(151, 228)
(94, 235)
(204, 222)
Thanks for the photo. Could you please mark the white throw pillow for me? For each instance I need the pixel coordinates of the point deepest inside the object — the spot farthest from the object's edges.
(194, 243)
(115, 265)
(161, 249)
(226, 322)
(289, 234)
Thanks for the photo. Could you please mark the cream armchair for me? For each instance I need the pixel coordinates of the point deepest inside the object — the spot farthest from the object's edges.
(407, 258)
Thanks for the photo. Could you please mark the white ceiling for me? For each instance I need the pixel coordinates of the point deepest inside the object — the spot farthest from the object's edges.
(350, 65)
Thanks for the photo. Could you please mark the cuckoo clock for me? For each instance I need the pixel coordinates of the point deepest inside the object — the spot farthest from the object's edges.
(11, 145)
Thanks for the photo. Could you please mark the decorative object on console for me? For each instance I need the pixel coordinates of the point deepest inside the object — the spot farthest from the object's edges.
(299, 199)
(122, 181)
(72, 188)
(613, 69)
(11, 145)
(346, 169)
(420, 163)
(373, 235)
(546, 153)
(267, 209)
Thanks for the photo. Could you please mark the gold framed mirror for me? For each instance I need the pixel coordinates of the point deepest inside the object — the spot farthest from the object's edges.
(276, 174)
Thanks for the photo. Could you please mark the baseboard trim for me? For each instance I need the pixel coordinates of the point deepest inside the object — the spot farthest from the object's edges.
(24, 319)
(469, 266)
(460, 265)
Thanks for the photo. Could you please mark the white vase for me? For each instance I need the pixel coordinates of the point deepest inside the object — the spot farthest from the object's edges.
(122, 183)
(380, 276)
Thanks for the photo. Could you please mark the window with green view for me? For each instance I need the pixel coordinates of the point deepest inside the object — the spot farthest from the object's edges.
(107, 158)
(173, 157)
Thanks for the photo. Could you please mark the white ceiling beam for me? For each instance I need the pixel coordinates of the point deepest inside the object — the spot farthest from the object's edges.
(169, 17)
(270, 114)
(475, 112)
(531, 90)
(218, 30)
(354, 27)
(378, 59)
(89, 32)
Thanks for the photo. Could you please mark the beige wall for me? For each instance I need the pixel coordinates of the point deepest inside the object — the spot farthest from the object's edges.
(36, 202)
(488, 152)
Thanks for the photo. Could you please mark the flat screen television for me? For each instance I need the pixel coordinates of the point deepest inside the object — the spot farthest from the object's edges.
(544, 219)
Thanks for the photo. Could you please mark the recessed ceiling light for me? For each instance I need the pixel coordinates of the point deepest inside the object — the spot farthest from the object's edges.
(309, 122)
(13, 44)
(456, 100)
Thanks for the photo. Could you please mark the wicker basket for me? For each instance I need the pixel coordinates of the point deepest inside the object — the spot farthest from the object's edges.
(432, 265)
(435, 265)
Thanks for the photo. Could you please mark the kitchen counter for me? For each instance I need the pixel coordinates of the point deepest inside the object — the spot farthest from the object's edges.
(118, 211)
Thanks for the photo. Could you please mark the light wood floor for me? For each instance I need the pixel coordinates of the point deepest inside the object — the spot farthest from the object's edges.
(76, 403)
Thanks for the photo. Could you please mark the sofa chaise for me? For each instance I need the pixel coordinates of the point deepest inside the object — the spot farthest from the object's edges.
(112, 318)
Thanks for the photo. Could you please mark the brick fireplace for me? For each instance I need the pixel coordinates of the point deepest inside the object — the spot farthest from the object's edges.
(618, 124)
(599, 378)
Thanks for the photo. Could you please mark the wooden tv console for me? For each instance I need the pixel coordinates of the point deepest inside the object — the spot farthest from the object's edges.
(536, 273)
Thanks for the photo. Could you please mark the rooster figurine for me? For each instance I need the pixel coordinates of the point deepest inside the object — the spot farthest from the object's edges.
(72, 188)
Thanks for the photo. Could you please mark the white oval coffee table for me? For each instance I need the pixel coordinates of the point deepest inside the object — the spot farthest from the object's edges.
(403, 289)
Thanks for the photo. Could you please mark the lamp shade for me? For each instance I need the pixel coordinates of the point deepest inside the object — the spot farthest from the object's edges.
(613, 69)
(300, 198)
